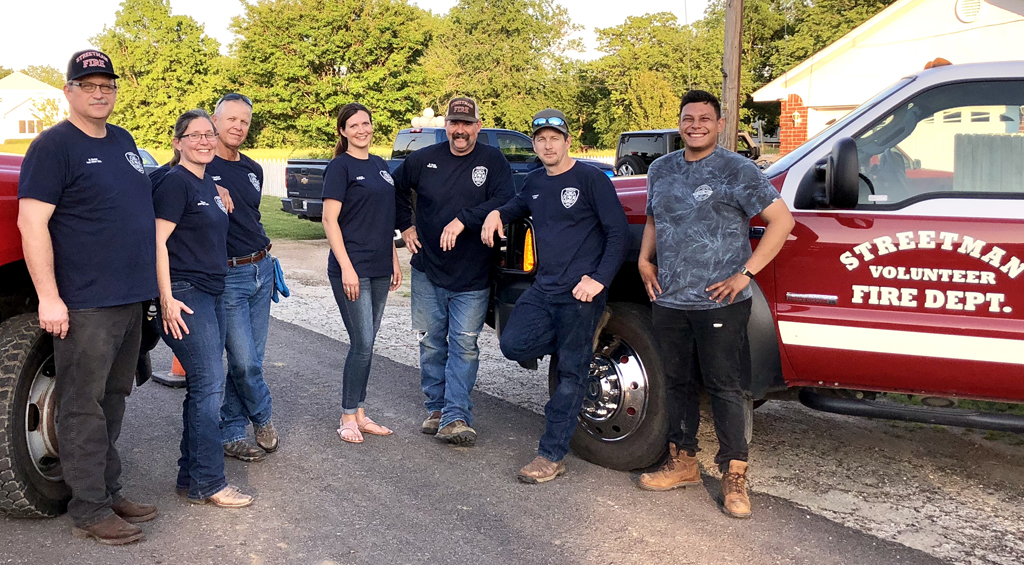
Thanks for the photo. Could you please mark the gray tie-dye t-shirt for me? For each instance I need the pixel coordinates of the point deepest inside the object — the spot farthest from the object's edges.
(702, 212)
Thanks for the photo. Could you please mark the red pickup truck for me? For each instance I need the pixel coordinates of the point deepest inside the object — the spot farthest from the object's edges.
(904, 273)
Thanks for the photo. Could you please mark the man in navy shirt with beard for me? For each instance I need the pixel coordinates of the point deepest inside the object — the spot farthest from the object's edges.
(247, 288)
(457, 183)
(89, 236)
(581, 238)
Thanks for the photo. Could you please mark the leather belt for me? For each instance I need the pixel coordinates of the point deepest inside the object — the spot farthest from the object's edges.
(249, 259)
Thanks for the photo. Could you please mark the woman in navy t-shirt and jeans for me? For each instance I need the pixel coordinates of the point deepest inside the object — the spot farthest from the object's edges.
(191, 252)
(359, 219)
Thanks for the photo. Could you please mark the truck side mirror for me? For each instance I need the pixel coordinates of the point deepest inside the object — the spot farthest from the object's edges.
(842, 175)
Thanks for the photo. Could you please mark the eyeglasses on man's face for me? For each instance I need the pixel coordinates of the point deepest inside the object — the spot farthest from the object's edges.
(90, 87)
(195, 136)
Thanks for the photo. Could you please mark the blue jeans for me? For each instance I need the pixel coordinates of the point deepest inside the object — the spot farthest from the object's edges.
(542, 324)
(247, 290)
(362, 320)
(448, 324)
(201, 465)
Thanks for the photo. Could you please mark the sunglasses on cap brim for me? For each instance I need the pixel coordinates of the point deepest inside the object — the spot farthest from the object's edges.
(552, 121)
(235, 96)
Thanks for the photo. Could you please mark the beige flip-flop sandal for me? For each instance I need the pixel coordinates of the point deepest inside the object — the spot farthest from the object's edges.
(349, 431)
(373, 428)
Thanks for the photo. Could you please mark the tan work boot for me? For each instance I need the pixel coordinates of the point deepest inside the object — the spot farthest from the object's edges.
(432, 423)
(735, 501)
(227, 497)
(541, 470)
(679, 470)
(457, 433)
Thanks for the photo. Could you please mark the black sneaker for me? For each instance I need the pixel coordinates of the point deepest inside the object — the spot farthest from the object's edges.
(457, 433)
(244, 450)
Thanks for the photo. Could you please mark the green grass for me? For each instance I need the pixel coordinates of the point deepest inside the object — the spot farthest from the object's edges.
(282, 225)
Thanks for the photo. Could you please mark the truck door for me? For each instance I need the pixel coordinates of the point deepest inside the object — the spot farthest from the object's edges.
(920, 288)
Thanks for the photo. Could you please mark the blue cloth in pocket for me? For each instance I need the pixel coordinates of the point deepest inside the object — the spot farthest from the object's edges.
(279, 286)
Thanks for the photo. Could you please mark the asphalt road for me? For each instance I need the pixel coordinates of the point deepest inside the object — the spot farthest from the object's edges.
(409, 499)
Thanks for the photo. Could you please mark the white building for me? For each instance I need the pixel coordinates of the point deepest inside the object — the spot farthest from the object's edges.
(21, 100)
(896, 42)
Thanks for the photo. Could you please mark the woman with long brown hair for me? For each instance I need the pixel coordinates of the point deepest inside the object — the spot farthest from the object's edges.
(359, 219)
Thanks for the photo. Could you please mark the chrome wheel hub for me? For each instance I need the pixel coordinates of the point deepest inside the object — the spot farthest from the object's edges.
(41, 423)
(616, 397)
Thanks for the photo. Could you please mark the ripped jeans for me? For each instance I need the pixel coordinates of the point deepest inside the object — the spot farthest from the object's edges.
(448, 324)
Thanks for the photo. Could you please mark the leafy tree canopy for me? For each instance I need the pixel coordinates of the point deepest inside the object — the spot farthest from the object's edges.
(46, 73)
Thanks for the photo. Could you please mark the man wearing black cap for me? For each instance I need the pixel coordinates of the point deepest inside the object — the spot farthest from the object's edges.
(457, 182)
(581, 236)
(89, 236)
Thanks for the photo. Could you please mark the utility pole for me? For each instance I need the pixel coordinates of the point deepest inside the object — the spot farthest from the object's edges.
(731, 73)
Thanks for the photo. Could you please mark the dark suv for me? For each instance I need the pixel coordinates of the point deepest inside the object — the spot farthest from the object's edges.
(638, 149)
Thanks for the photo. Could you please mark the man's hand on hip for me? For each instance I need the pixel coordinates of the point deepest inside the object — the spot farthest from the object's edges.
(412, 241)
(587, 289)
(53, 317)
(730, 287)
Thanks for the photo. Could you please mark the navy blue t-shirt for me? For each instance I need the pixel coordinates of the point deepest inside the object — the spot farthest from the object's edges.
(581, 227)
(198, 246)
(447, 186)
(243, 179)
(158, 173)
(102, 230)
(367, 195)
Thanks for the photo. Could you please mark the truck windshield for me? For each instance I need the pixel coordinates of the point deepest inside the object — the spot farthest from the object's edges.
(407, 142)
(787, 161)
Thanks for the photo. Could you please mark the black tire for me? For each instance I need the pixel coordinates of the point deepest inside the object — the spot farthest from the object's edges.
(630, 165)
(646, 443)
(25, 492)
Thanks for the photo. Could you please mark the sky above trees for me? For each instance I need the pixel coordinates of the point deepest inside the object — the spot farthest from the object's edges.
(53, 43)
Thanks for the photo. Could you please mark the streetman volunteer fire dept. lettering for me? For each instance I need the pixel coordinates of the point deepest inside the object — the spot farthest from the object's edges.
(967, 300)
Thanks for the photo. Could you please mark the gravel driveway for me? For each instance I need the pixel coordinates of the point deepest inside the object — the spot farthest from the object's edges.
(951, 493)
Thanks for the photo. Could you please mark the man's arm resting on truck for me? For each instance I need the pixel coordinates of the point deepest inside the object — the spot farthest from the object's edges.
(645, 264)
(34, 224)
(495, 222)
(500, 190)
(778, 223)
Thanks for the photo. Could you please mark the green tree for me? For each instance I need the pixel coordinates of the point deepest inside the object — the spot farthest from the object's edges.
(4, 71)
(506, 54)
(167, 64)
(816, 25)
(48, 111)
(45, 73)
(301, 60)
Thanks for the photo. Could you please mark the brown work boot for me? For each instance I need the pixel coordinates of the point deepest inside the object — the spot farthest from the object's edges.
(541, 470)
(266, 437)
(457, 433)
(679, 470)
(245, 450)
(735, 501)
(111, 530)
(133, 512)
(432, 423)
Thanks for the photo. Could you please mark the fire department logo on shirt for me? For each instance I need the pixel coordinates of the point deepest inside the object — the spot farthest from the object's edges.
(135, 162)
(255, 181)
(702, 193)
(570, 196)
(220, 204)
(386, 176)
(479, 176)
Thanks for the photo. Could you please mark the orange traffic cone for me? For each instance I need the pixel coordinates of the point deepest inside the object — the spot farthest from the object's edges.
(175, 378)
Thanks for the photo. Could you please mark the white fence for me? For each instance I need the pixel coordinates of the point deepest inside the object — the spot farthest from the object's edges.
(606, 160)
(273, 177)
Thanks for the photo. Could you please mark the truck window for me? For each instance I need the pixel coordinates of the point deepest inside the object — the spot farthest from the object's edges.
(647, 145)
(407, 142)
(515, 148)
(953, 139)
